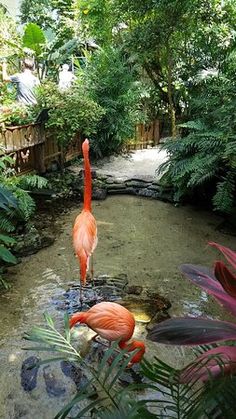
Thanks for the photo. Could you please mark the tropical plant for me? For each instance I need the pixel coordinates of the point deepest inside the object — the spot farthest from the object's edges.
(19, 187)
(102, 382)
(199, 331)
(175, 393)
(16, 206)
(111, 82)
(204, 158)
(69, 112)
(8, 203)
(14, 114)
(9, 36)
(104, 397)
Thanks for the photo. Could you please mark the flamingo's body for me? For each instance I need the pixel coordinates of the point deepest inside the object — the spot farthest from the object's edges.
(85, 226)
(112, 322)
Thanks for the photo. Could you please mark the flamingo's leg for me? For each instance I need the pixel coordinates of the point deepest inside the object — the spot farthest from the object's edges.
(92, 270)
(81, 294)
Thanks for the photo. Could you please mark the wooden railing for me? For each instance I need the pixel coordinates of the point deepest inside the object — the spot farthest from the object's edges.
(33, 150)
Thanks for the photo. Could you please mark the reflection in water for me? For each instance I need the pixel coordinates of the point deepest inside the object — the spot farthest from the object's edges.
(196, 308)
(147, 240)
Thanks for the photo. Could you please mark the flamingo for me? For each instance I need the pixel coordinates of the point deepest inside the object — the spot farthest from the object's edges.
(112, 322)
(85, 226)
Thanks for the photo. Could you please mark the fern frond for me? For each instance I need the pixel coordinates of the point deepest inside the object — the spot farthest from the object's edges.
(29, 182)
(26, 204)
(224, 198)
(230, 153)
(203, 169)
(193, 125)
(6, 224)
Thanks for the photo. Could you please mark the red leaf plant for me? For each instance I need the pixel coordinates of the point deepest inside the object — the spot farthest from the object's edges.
(221, 284)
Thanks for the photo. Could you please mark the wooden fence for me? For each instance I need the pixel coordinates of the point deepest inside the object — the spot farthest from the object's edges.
(33, 150)
(146, 135)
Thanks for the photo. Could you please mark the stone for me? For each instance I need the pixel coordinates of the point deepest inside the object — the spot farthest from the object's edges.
(154, 187)
(32, 241)
(111, 180)
(134, 289)
(143, 178)
(145, 192)
(161, 303)
(116, 186)
(129, 191)
(142, 309)
(53, 385)
(137, 184)
(29, 373)
(157, 182)
(131, 376)
(93, 173)
(75, 373)
(99, 194)
(47, 239)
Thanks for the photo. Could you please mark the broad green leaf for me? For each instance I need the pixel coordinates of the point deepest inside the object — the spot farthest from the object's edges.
(6, 255)
(7, 239)
(34, 38)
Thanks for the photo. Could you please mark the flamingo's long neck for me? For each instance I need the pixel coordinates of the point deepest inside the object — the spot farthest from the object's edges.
(87, 181)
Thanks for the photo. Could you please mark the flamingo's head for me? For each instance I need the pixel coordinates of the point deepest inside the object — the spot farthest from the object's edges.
(140, 349)
(77, 318)
(85, 146)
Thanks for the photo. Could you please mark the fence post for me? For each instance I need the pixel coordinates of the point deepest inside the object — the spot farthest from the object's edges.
(156, 134)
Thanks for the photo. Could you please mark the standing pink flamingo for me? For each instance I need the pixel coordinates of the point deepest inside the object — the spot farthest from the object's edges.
(112, 322)
(85, 226)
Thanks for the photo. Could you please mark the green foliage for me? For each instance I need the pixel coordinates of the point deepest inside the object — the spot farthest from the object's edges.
(7, 204)
(55, 17)
(39, 13)
(15, 114)
(205, 156)
(111, 83)
(97, 19)
(16, 205)
(9, 36)
(103, 383)
(34, 38)
(103, 396)
(70, 112)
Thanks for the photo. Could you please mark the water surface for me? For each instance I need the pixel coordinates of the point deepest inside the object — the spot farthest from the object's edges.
(145, 239)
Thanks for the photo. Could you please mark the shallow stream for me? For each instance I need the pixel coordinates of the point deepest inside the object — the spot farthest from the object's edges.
(147, 240)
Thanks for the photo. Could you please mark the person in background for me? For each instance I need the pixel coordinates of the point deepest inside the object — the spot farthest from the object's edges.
(66, 78)
(25, 82)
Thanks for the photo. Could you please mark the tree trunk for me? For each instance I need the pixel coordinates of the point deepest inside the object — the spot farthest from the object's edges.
(170, 94)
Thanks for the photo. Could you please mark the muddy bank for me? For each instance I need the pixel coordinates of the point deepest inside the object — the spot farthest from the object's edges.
(144, 239)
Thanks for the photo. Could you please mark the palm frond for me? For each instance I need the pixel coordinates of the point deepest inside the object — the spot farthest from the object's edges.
(102, 396)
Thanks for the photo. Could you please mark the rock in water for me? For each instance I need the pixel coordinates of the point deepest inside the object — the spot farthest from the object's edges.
(72, 371)
(29, 372)
(53, 387)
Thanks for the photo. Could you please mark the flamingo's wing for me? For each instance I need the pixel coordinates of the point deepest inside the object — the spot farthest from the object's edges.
(84, 239)
(111, 321)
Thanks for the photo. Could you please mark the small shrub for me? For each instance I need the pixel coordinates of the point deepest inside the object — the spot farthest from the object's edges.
(69, 112)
